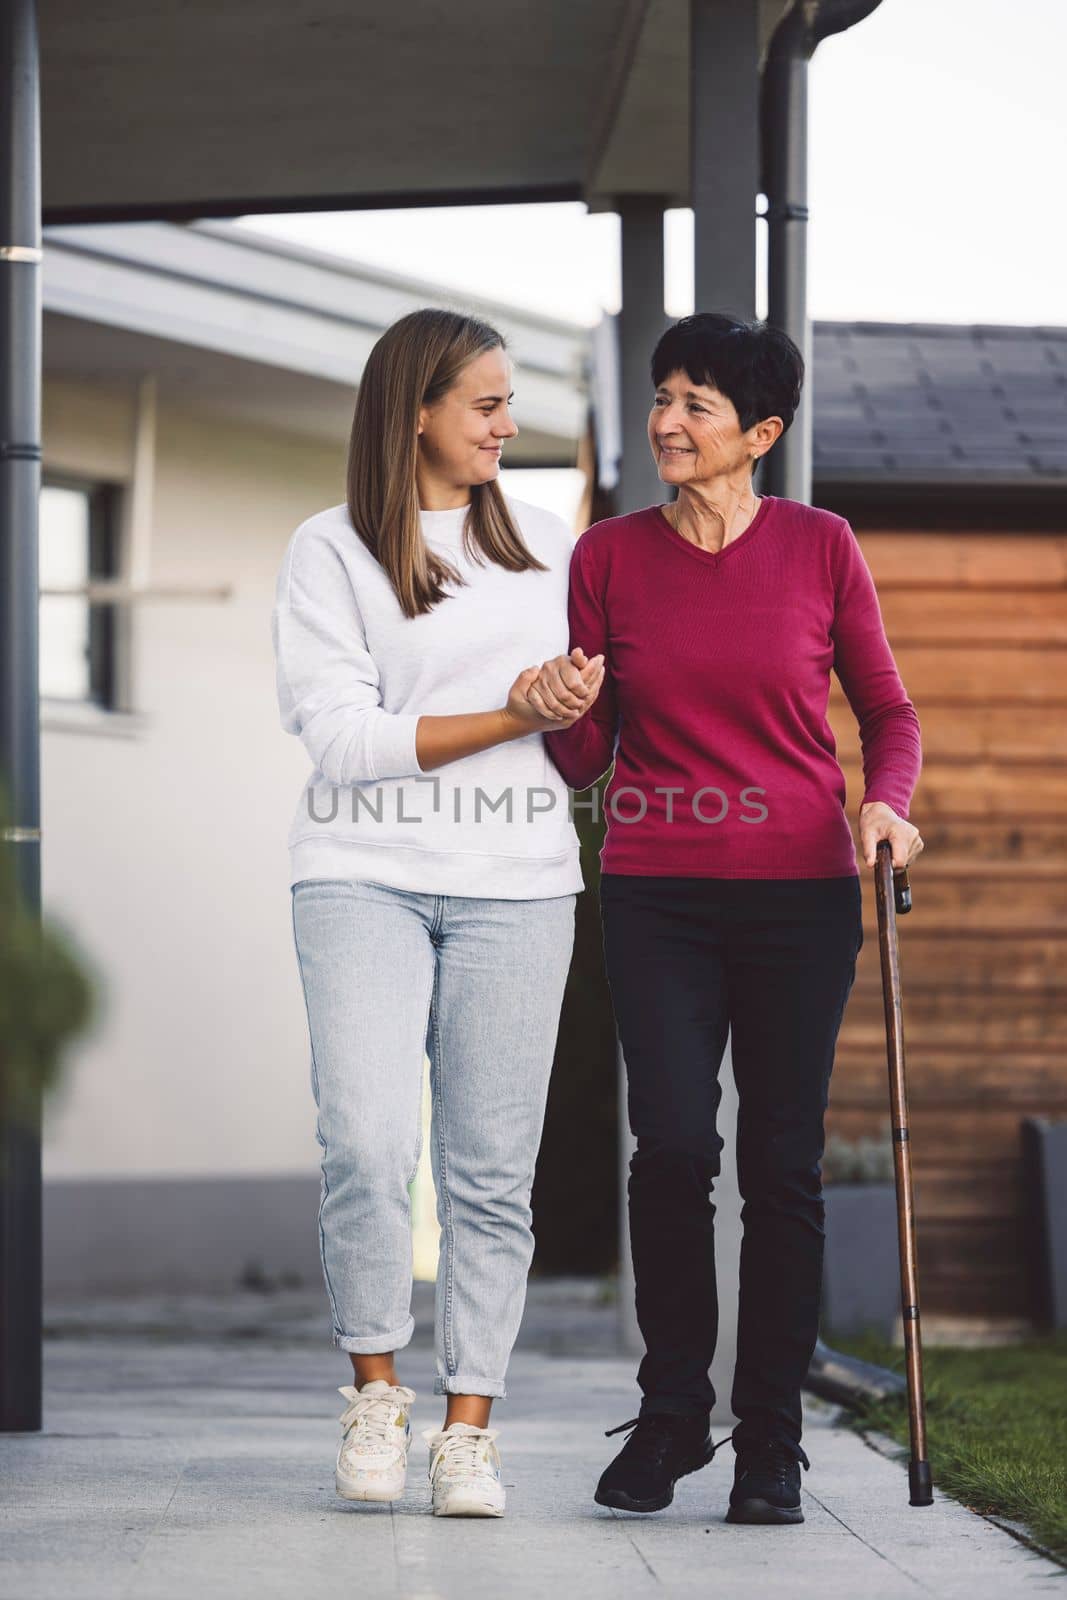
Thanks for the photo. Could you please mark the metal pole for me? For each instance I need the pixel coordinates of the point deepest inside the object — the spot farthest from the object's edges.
(20, 482)
(641, 322)
(724, 181)
(786, 471)
(724, 152)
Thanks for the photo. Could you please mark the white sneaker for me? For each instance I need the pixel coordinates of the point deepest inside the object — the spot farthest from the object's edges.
(372, 1463)
(465, 1471)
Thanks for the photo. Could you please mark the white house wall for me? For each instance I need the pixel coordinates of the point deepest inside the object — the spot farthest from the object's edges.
(164, 834)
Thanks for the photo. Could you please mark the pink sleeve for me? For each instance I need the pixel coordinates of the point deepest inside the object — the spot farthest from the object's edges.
(863, 661)
(586, 749)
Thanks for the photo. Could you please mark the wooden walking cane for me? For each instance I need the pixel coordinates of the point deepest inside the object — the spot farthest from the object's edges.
(894, 895)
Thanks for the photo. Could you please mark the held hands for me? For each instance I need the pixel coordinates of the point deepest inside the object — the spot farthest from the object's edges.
(556, 694)
(880, 821)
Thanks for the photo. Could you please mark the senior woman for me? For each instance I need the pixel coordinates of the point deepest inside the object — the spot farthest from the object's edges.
(730, 889)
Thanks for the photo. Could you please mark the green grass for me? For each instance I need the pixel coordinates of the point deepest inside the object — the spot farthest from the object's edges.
(996, 1421)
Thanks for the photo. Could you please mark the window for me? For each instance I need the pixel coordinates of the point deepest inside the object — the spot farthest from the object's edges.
(78, 544)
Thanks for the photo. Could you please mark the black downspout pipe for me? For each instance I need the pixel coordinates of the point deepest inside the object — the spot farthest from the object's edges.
(20, 482)
(784, 137)
(787, 469)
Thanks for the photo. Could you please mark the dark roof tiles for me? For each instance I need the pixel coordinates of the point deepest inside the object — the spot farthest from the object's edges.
(925, 403)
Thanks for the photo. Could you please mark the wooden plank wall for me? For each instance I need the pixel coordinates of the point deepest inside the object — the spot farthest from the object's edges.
(978, 627)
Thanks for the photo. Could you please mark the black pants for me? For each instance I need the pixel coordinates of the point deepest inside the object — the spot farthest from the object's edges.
(773, 960)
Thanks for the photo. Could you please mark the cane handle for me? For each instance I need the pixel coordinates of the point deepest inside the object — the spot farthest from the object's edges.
(901, 884)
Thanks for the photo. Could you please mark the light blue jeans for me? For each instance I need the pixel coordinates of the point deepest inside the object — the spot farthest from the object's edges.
(477, 985)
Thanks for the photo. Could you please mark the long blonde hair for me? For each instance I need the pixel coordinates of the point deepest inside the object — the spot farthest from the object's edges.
(413, 364)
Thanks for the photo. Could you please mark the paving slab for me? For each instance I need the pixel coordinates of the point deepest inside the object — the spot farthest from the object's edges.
(196, 1467)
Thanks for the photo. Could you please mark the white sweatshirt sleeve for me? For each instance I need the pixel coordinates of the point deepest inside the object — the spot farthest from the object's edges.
(329, 692)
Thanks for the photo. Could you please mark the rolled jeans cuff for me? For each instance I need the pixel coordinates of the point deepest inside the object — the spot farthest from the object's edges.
(459, 1383)
(376, 1344)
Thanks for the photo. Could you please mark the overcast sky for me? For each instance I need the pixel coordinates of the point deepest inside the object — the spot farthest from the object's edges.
(938, 137)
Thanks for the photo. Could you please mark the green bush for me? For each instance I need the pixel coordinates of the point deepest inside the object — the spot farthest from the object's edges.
(860, 1160)
(45, 999)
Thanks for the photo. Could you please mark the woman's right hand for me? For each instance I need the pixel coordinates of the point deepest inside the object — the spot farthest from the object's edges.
(583, 686)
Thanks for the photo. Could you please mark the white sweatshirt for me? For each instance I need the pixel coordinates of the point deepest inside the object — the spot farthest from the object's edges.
(354, 675)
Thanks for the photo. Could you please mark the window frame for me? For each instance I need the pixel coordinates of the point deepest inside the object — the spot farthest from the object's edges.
(106, 629)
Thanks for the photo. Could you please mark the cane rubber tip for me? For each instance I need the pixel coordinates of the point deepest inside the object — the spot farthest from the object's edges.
(920, 1483)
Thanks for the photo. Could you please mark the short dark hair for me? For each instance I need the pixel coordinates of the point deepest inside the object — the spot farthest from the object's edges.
(756, 366)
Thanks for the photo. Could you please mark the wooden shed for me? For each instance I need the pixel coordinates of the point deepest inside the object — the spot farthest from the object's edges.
(947, 449)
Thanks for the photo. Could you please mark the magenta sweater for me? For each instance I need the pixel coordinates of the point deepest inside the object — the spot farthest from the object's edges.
(715, 693)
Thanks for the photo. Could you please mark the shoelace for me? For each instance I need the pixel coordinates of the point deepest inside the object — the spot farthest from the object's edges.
(776, 1452)
(459, 1451)
(657, 1428)
(372, 1417)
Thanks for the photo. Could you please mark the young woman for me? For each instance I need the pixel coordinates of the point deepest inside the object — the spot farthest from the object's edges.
(434, 869)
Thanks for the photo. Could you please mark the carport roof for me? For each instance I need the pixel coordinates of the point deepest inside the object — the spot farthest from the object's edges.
(207, 109)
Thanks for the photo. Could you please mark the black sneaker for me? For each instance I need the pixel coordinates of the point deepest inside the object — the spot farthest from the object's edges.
(662, 1447)
(767, 1481)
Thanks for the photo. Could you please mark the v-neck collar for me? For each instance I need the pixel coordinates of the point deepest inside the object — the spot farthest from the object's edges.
(715, 557)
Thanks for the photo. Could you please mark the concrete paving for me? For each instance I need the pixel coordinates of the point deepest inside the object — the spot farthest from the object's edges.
(191, 1455)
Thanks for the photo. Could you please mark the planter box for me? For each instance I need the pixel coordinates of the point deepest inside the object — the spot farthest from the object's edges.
(1045, 1180)
(861, 1263)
